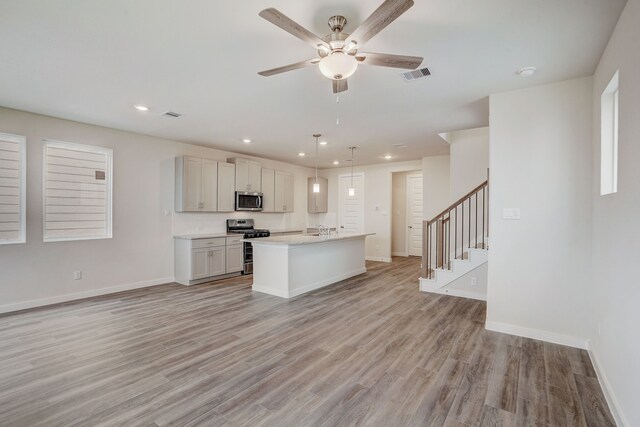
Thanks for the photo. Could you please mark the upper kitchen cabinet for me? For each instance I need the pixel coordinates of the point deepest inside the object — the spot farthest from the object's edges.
(248, 175)
(283, 190)
(268, 190)
(226, 187)
(317, 202)
(196, 185)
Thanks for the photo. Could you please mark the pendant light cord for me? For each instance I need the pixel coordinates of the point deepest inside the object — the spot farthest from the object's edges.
(316, 136)
(352, 148)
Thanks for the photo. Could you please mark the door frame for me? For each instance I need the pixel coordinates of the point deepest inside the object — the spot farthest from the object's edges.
(408, 209)
(348, 175)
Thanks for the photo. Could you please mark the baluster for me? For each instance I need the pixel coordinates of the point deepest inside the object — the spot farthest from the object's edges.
(462, 232)
(476, 230)
(429, 251)
(437, 241)
(469, 242)
(455, 234)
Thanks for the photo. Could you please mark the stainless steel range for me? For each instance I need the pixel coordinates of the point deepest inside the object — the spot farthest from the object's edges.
(245, 227)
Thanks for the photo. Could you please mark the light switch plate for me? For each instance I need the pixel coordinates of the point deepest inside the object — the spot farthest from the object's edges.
(511, 213)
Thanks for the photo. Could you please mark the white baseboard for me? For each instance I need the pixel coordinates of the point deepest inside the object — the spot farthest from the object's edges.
(404, 254)
(609, 395)
(270, 291)
(463, 294)
(379, 259)
(7, 308)
(311, 287)
(537, 334)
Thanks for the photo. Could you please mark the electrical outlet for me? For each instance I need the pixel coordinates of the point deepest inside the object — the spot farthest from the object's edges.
(77, 275)
(474, 281)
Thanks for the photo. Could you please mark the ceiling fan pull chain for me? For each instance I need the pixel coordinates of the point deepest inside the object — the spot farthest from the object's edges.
(337, 110)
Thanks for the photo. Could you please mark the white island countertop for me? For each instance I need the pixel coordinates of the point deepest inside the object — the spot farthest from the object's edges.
(306, 239)
(291, 265)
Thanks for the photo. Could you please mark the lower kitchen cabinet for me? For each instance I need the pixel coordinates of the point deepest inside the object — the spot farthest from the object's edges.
(205, 259)
(234, 258)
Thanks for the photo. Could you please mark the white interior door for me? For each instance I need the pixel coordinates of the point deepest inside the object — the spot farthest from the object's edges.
(351, 208)
(414, 214)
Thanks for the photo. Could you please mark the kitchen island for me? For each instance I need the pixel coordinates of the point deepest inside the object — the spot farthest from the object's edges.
(287, 266)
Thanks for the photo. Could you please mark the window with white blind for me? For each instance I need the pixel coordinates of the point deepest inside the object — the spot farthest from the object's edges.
(12, 188)
(77, 191)
(609, 137)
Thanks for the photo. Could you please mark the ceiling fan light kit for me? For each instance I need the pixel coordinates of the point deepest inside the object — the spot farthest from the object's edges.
(338, 65)
(338, 52)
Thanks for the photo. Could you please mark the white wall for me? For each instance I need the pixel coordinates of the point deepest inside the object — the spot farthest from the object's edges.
(141, 250)
(540, 162)
(469, 160)
(615, 296)
(436, 182)
(377, 203)
(464, 285)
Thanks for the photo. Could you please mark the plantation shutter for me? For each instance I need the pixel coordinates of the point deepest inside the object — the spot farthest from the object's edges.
(12, 188)
(77, 193)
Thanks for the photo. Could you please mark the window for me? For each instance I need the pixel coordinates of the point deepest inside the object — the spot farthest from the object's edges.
(12, 188)
(609, 138)
(77, 191)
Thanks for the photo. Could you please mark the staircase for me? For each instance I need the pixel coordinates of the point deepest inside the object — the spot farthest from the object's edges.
(454, 244)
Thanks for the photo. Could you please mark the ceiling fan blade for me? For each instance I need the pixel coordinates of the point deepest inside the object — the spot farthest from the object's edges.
(278, 19)
(290, 67)
(388, 60)
(340, 85)
(384, 15)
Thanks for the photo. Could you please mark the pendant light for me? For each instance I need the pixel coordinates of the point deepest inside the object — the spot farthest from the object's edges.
(316, 185)
(352, 190)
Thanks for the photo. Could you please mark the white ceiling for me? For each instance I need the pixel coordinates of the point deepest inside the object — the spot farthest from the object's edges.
(92, 60)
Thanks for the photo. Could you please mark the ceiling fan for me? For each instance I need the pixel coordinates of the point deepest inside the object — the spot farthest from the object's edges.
(338, 52)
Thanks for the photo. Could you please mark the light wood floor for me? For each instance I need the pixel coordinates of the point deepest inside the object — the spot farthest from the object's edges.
(372, 351)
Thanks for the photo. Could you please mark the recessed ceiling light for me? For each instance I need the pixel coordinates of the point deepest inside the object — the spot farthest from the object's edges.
(141, 107)
(388, 156)
(301, 154)
(246, 140)
(527, 71)
(323, 142)
(336, 162)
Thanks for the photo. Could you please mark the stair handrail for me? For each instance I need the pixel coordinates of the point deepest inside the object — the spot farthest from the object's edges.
(442, 227)
(459, 201)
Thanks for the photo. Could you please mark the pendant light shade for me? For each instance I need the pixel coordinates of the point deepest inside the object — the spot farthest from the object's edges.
(352, 192)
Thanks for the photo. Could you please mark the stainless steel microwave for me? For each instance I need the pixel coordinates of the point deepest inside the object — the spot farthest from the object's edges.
(247, 201)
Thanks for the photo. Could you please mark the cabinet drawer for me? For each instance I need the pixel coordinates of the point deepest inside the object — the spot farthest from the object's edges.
(234, 240)
(207, 243)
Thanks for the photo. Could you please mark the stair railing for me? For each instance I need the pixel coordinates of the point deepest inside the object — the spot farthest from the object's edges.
(463, 225)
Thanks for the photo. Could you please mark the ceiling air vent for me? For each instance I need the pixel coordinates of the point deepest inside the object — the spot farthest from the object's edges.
(172, 114)
(416, 74)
